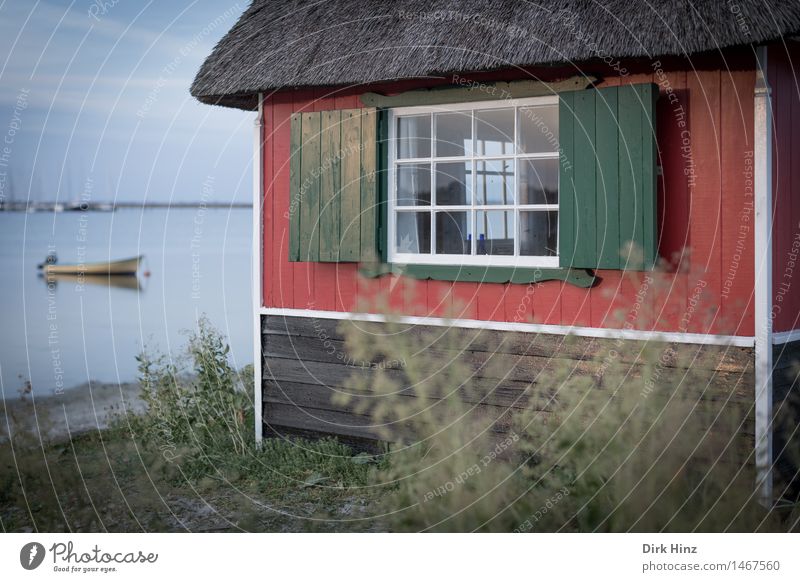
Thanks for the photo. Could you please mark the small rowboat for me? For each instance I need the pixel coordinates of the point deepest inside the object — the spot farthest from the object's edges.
(123, 267)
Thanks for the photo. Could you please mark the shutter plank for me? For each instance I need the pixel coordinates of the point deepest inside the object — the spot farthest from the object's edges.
(309, 188)
(368, 185)
(294, 186)
(631, 161)
(648, 95)
(330, 183)
(382, 183)
(567, 216)
(585, 180)
(350, 219)
(607, 176)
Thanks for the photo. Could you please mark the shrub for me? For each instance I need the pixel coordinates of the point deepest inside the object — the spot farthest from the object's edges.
(590, 446)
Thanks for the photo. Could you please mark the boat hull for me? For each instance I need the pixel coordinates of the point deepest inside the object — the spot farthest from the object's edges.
(124, 267)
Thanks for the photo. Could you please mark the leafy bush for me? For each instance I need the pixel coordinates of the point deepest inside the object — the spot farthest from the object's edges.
(200, 416)
(616, 442)
(196, 406)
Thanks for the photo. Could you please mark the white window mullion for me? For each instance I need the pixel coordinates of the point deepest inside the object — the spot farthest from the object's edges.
(473, 203)
(433, 205)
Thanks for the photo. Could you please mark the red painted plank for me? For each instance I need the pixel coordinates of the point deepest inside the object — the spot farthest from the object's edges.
(781, 181)
(774, 81)
(518, 303)
(417, 298)
(608, 299)
(785, 224)
(491, 299)
(576, 306)
(396, 288)
(793, 309)
(267, 199)
(440, 298)
(670, 295)
(283, 279)
(367, 292)
(737, 118)
(547, 303)
(346, 288)
(465, 300)
(705, 231)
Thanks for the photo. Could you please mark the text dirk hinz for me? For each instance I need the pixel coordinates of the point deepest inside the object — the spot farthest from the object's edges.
(672, 549)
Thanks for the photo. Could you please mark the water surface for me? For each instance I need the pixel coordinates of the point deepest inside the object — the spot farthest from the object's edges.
(64, 333)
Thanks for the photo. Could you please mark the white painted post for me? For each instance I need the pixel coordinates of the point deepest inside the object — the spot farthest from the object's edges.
(258, 198)
(763, 280)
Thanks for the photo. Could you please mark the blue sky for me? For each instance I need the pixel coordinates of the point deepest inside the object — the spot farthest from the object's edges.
(94, 99)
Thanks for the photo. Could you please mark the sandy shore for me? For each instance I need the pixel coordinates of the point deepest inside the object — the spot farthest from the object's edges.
(77, 410)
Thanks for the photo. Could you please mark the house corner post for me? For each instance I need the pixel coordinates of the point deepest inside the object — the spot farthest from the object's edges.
(257, 253)
(763, 279)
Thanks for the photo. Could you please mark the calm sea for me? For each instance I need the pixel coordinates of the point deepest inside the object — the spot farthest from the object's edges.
(64, 334)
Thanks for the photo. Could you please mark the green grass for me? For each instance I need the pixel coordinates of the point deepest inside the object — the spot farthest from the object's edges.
(190, 462)
(586, 453)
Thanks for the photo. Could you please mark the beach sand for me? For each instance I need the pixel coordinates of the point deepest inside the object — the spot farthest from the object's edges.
(75, 411)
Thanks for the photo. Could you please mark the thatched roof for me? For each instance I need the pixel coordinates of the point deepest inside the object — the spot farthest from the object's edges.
(308, 43)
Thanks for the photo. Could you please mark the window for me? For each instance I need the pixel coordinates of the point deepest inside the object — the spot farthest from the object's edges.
(475, 184)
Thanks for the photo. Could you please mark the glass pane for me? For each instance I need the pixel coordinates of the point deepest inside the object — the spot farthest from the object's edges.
(538, 233)
(454, 183)
(413, 185)
(538, 129)
(495, 230)
(414, 137)
(414, 232)
(453, 233)
(495, 182)
(538, 181)
(453, 134)
(494, 132)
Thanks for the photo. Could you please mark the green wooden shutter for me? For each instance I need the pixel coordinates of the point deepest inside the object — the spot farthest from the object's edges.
(607, 181)
(333, 191)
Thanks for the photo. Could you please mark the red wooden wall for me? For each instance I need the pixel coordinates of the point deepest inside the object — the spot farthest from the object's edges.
(781, 62)
(705, 218)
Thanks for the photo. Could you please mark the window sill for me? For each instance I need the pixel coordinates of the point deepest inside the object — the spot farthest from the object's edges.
(584, 278)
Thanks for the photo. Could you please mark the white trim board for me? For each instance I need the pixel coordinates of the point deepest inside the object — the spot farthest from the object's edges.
(785, 337)
(257, 257)
(598, 332)
(762, 226)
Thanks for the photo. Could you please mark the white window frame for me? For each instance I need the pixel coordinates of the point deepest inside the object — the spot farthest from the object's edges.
(474, 259)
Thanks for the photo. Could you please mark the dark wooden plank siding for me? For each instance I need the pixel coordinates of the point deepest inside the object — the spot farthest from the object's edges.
(786, 404)
(306, 362)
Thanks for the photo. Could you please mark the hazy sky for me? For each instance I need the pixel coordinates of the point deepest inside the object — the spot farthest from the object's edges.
(94, 99)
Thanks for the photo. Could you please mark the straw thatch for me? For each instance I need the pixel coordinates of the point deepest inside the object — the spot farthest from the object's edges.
(307, 43)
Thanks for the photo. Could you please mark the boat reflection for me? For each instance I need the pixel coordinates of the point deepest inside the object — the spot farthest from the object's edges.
(119, 281)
